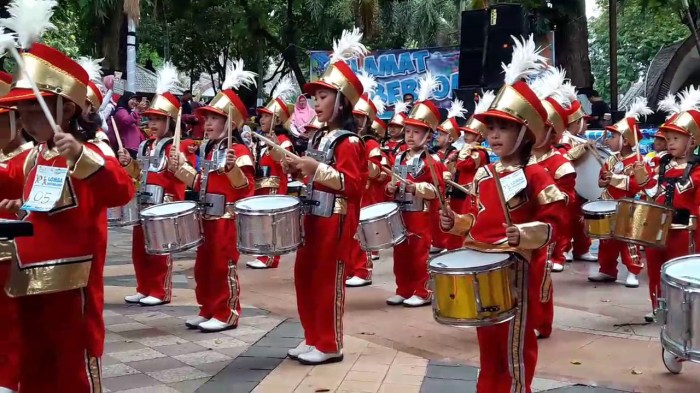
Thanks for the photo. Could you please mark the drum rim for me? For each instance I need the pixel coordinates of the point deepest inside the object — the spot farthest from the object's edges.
(677, 281)
(642, 202)
(278, 252)
(191, 209)
(394, 211)
(584, 210)
(485, 268)
(184, 248)
(671, 346)
(250, 212)
(503, 317)
(386, 246)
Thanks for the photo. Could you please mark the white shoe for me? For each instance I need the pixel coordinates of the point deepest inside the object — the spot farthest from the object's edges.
(416, 301)
(651, 317)
(395, 300)
(557, 267)
(256, 264)
(214, 325)
(569, 256)
(151, 301)
(587, 257)
(193, 323)
(435, 250)
(315, 357)
(6, 390)
(357, 282)
(375, 257)
(302, 348)
(631, 281)
(134, 298)
(601, 277)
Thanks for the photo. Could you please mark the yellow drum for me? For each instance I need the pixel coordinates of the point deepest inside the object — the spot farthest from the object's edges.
(643, 223)
(473, 288)
(599, 218)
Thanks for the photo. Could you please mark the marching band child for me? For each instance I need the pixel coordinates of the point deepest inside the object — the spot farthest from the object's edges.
(624, 175)
(270, 175)
(660, 150)
(339, 176)
(414, 198)
(157, 185)
(515, 122)
(217, 286)
(395, 143)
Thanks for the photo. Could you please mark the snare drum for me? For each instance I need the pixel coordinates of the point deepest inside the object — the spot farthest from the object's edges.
(123, 216)
(268, 224)
(641, 222)
(473, 288)
(294, 188)
(381, 227)
(679, 308)
(171, 227)
(599, 218)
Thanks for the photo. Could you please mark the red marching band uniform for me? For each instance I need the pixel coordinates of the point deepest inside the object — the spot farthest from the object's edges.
(218, 187)
(59, 289)
(394, 142)
(156, 185)
(508, 351)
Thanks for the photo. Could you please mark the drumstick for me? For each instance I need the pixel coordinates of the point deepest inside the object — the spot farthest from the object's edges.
(229, 129)
(501, 197)
(116, 133)
(394, 175)
(457, 186)
(178, 131)
(636, 144)
(433, 174)
(275, 146)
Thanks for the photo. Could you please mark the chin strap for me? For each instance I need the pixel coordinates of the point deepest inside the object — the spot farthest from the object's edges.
(521, 135)
(335, 106)
(546, 139)
(59, 110)
(13, 125)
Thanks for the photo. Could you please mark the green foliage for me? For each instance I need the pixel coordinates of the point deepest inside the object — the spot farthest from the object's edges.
(66, 35)
(642, 32)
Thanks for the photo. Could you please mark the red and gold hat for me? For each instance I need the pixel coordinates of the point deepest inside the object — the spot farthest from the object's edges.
(365, 107)
(94, 71)
(481, 105)
(450, 126)
(94, 95)
(277, 108)
(227, 101)
(399, 117)
(628, 126)
(314, 125)
(379, 126)
(165, 103)
(425, 113)
(686, 122)
(576, 113)
(339, 76)
(659, 134)
(54, 74)
(556, 115)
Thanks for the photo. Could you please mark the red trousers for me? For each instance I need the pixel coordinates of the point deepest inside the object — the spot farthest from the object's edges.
(9, 335)
(58, 349)
(508, 351)
(581, 242)
(319, 280)
(271, 261)
(361, 264)
(677, 245)
(411, 256)
(217, 287)
(610, 249)
(154, 273)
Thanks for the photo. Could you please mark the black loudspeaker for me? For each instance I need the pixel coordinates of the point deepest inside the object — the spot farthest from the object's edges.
(504, 21)
(472, 41)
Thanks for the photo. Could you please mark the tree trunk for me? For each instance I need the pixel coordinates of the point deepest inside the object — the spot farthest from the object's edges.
(111, 41)
(571, 46)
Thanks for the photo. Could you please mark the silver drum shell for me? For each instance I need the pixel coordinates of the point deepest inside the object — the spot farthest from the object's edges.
(381, 232)
(268, 232)
(679, 311)
(173, 232)
(123, 216)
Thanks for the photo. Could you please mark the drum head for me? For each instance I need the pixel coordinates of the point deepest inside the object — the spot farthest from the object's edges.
(685, 269)
(168, 209)
(465, 259)
(377, 210)
(587, 173)
(295, 184)
(266, 203)
(599, 207)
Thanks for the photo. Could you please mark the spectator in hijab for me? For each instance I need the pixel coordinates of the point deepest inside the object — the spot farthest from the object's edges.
(303, 114)
(128, 121)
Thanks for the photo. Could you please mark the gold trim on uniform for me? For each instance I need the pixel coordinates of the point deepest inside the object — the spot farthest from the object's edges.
(187, 174)
(51, 276)
(376, 152)
(563, 170)
(462, 224)
(374, 170)
(236, 177)
(14, 153)
(328, 176)
(244, 161)
(425, 190)
(340, 206)
(550, 194)
(87, 164)
(103, 146)
(641, 176)
(8, 251)
(267, 182)
(620, 181)
(533, 235)
(339, 301)
(575, 152)
(133, 169)
(94, 374)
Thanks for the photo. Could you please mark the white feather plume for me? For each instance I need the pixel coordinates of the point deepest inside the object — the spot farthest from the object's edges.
(526, 60)
(379, 104)
(30, 19)
(7, 40)
(369, 82)
(689, 99)
(236, 76)
(285, 89)
(456, 109)
(92, 67)
(549, 84)
(569, 91)
(669, 105)
(426, 86)
(349, 46)
(167, 78)
(484, 102)
(400, 106)
(638, 108)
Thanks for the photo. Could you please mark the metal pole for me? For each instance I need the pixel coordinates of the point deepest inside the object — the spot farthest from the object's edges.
(612, 13)
(692, 25)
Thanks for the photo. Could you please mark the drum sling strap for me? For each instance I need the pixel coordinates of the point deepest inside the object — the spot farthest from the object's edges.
(680, 216)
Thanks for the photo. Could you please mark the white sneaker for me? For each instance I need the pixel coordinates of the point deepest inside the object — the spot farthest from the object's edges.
(416, 301)
(315, 357)
(256, 264)
(6, 390)
(134, 298)
(214, 325)
(601, 277)
(588, 257)
(557, 267)
(375, 257)
(193, 323)
(302, 348)
(651, 317)
(151, 301)
(435, 250)
(395, 300)
(357, 282)
(631, 281)
(569, 256)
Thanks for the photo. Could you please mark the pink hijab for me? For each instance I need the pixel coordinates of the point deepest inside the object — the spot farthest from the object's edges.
(302, 117)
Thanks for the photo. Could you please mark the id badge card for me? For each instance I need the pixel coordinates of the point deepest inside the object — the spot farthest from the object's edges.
(46, 189)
